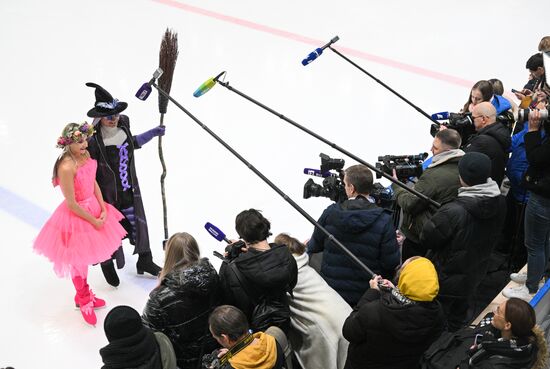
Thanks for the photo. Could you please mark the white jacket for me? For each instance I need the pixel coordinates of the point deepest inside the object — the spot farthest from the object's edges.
(317, 314)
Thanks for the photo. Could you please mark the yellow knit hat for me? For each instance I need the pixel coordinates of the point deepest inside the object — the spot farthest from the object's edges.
(418, 280)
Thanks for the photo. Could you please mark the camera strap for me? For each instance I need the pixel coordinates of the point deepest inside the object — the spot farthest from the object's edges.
(238, 347)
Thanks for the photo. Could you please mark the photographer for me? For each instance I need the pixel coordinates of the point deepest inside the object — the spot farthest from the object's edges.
(439, 182)
(258, 278)
(241, 349)
(365, 229)
(490, 139)
(537, 213)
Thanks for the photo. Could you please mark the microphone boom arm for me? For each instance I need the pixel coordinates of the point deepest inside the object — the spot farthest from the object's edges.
(331, 144)
(268, 182)
(384, 85)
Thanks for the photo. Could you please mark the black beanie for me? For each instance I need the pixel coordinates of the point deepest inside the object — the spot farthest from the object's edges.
(474, 168)
(121, 322)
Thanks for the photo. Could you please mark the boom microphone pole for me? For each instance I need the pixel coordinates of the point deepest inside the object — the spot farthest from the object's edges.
(308, 131)
(329, 45)
(152, 83)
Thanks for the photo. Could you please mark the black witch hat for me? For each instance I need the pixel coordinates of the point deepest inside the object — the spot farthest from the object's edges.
(104, 103)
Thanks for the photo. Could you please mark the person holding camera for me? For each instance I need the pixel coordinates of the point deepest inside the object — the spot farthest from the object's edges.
(439, 182)
(242, 349)
(461, 234)
(537, 212)
(491, 139)
(365, 229)
(258, 277)
(390, 328)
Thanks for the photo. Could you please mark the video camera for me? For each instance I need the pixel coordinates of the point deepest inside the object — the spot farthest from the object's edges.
(333, 185)
(463, 123)
(405, 166)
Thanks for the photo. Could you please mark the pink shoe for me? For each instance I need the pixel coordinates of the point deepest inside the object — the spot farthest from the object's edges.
(97, 302)
(88, 313)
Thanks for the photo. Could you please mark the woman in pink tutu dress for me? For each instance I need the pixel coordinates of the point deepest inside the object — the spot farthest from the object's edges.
(83, 230)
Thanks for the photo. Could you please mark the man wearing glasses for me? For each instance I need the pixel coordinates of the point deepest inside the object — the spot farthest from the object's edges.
(491, 138)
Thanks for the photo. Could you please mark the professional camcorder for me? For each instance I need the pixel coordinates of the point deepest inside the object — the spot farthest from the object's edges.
(405, 166)
(333, 185)
(461, 122)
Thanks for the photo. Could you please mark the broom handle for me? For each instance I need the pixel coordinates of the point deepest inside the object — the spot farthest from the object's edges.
(162, 177)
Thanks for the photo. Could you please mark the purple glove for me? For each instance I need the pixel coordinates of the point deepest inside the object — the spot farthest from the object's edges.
(147, 136)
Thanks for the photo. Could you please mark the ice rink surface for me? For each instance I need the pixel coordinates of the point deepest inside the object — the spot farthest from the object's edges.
(429, 51)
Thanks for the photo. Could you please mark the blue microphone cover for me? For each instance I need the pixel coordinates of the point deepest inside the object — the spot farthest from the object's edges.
(144, 91)
(441, 116)
(214, 231)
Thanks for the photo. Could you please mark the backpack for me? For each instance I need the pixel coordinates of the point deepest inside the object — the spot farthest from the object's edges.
(449, 350)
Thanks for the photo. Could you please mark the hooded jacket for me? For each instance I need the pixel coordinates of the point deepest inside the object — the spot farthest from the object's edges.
(368, 232)
(494, 141)
(263, 353)
(180, 307)
(385, 333)
(439, 182)
(267, 275)
(461, 236)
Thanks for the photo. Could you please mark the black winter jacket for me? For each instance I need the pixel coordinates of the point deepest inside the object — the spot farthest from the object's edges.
(537, 178)
(494, 141)
(107, 179)
(180, 307)
(368, 232)
(461, 236)
(268, 275)
(384, 333)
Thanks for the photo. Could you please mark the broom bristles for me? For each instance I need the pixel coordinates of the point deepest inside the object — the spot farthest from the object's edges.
(167, 62)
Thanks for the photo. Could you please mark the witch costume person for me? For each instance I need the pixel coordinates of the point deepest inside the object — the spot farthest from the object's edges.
(113, 147)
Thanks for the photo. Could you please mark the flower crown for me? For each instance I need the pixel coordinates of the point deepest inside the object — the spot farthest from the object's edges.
(75, 135)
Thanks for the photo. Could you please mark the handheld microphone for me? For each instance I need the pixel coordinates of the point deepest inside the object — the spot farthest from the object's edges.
(319, 173)
(317, 52)
(441, 116)
(216, 232)
(207, 85)
(145, 89)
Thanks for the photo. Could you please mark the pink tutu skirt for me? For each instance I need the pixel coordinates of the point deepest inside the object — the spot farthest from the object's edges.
(70, 241)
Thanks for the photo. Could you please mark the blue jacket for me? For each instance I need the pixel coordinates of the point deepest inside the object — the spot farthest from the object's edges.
(500, 104)
(368, 232)
(517, 165)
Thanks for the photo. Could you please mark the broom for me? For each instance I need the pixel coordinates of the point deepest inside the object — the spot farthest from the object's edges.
(167, 62)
